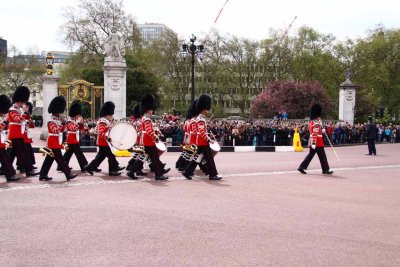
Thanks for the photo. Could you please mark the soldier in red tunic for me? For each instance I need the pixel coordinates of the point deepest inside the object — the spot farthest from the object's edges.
(316, 142)
(149, 138)
(74, 126)
(17, 124)
(203, 105)
(55, 140)
(6, 163)
(103, 142)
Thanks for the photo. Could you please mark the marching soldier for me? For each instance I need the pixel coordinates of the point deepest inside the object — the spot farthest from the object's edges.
(6, 163)
(149, 138)
(135, 165)
(54, 141)
(103, 142)
(17, 124)
(203, 105)
(74, 126)
(316, 142)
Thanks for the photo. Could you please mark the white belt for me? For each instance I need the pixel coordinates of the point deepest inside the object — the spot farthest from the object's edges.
(15, 123)
(71, 132)
(53, 134)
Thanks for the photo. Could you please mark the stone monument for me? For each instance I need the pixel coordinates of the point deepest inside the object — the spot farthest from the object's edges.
(347, 99)
(50, 91)
(115, 74)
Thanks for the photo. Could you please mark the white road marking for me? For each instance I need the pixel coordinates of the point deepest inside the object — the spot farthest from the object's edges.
(177, 178)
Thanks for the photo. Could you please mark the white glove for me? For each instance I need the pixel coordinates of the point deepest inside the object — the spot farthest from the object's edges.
(323, 131)
(313, 146)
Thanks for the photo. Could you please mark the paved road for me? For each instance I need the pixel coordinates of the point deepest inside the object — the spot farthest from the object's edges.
(263, 213)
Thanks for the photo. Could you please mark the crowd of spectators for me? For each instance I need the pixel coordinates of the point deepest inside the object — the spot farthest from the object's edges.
(278, 131)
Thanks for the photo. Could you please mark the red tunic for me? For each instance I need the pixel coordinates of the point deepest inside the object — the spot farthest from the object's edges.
(27, 134)
(56, 129)
(103, 125)
(73, 129)
(193, 131)
(16, 119)
(316, 137)
(3, 135)
(202, 137)
(148, 137)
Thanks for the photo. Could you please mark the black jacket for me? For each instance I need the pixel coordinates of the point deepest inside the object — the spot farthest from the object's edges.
(371, 131)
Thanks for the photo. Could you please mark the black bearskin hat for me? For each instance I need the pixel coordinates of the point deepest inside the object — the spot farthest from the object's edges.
(30, 105)
(370, 118)
(148, 102)
(204, 102)
(75, 109)
(21, 94)
(57, 105)
(135, 112)
(5, 104)
(315, 112)
(107, 109)
(192, 111)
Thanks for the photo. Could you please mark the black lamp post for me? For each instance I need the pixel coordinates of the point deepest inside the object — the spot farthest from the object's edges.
(193, 50)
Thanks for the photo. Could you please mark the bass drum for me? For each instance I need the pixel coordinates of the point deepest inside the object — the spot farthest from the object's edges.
(161, 147)
(123, 135)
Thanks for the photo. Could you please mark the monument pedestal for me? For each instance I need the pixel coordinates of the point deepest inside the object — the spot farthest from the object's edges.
(50, 91)
(347, 100)
(115, 85)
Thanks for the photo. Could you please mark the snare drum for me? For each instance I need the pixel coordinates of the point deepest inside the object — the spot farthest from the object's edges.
(161, 147)
(215, 147)
(123, 135)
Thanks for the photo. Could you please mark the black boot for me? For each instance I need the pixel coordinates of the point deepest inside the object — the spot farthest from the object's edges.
(162, 177)
(12, 179)
(45, 178)
(131, 175)
(114, 173)
(189, 171)
(70, 176)
(31, 173)
(88, 169)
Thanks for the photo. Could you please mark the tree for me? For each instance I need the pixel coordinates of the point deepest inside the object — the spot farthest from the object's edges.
(20, 70)
(295, 98)
(89, 25)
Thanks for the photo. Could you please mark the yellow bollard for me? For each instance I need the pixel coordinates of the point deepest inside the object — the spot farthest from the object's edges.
(297, 142)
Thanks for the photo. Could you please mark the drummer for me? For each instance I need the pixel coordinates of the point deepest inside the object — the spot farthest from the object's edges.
(148, 138)
(103, 142)
(203, 141)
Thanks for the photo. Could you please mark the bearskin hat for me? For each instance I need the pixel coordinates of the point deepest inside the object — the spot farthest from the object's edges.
(148, 102)
(107, 109)
(5, 104)
(315, 112)
(192, 111)
(135, 111)
(75, 109)
(57, 105)
(370, 118)
(204, 102)
(21, 94)
(30, 105)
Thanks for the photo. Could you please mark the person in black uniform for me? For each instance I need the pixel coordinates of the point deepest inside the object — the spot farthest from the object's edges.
(371, 136)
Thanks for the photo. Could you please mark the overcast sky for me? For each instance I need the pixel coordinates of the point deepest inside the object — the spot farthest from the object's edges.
(34, 24)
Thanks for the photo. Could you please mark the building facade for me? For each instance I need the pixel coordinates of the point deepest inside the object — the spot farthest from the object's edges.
(153, 31)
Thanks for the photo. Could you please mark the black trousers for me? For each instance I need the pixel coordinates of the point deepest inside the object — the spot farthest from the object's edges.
(156, 165)
(75, 149)
(6, 164)
(209, 158)
(19, 150)
(371, 146)
(48, 161)
(322, 159)
(104, 152)
(30, 154)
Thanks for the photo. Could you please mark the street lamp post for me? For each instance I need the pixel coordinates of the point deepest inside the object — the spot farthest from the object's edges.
(193, 50)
